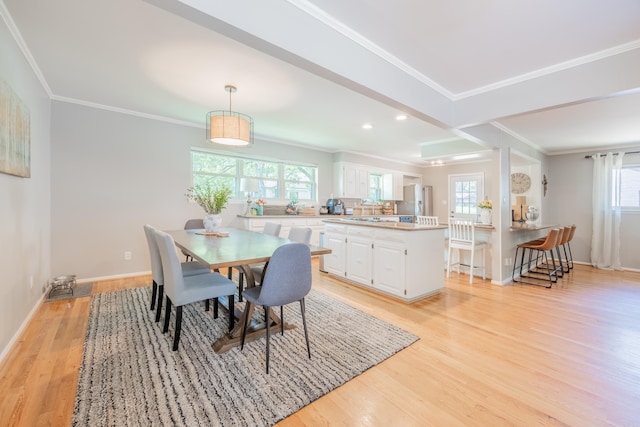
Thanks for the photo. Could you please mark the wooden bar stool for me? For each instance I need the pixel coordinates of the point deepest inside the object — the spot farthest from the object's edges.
(543, 251)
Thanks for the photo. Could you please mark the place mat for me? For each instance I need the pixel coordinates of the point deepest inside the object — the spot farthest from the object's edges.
(214, 233)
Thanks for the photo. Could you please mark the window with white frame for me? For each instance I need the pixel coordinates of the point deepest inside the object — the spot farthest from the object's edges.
(276, 180)
(629, 187)
(465, 191)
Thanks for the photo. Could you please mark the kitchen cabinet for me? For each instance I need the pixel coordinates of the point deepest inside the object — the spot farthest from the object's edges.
(388, 266)
(392, 183)
(351, 181)
(335, 239)
(359, 255)
(398, 259)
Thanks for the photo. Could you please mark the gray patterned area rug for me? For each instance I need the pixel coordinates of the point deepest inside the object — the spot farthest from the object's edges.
(130, 377)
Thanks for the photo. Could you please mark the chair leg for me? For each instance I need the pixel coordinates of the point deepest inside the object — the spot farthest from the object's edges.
(240, 285)
(229, 273)
(232, 315)
(247, 308)
(266, 316)
(160, 297)
(448, 262)
(167, 316)
(281, 320)
(176, 337)
(215, 307)
(206, 305)
(304, 322)
(471, 265)
(154, 294)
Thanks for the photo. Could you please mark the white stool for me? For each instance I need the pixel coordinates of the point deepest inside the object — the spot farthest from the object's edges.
(462, 237)
(427, 220)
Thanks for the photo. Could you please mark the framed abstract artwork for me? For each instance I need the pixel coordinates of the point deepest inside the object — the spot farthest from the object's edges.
(15, 134)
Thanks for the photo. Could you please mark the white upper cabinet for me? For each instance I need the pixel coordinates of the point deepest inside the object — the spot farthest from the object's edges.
(350, 181)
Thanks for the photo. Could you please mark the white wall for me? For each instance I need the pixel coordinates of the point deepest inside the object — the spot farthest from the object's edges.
(24, 203)
(112, 173)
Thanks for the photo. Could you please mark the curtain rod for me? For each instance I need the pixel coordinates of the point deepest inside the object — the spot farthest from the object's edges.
(615, 154)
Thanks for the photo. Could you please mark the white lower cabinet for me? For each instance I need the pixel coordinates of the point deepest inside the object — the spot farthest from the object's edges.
(335, 239)
(388, 267)
(359, 256)
(405, 264)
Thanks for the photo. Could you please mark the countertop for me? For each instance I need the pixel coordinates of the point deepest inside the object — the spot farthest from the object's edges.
(280, 216)
(516, 226)
(404, 226)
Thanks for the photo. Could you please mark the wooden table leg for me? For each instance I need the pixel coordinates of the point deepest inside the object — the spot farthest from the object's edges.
(256, 329)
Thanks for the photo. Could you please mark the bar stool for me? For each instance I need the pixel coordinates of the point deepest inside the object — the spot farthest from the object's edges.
(541, 250)
(567, 244)
(462, 236)
(563, 240)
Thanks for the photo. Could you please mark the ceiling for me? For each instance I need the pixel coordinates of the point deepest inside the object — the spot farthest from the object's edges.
(559, 76)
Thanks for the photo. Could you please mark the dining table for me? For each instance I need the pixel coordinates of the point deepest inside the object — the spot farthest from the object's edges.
(236, 248)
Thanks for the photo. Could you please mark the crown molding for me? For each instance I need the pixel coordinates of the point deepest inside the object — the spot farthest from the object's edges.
(17, 36)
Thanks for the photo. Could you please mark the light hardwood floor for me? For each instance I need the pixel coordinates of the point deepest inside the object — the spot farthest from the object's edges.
(487, 356)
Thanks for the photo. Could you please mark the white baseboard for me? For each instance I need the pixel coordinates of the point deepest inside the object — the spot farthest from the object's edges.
(14, 338)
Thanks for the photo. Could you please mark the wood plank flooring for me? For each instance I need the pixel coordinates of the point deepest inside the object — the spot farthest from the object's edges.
(487, 356)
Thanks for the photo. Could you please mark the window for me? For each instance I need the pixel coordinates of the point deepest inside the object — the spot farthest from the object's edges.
(629, 187)
(465, 191)
(375, 187)
(277, 181)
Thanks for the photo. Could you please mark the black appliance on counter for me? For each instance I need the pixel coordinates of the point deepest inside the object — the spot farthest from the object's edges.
(335, 207)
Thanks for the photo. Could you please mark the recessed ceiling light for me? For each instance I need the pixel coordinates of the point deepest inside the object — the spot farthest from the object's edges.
(401, 117)
(367, 126)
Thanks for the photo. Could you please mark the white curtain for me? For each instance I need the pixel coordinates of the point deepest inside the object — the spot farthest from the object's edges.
(605, 240)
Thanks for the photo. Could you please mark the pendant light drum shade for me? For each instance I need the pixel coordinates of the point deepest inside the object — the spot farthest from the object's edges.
(229, 127)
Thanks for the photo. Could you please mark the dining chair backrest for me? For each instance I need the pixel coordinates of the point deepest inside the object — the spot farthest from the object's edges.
(427, 220)
(288, 278)
(272, 228)
(154, 255)
(171, 268)
(300, 235)
(461, 231)
(193, 224)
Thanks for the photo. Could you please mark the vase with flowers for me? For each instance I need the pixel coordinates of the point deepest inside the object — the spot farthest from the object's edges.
(213, 199)
(260, 207)
(485, 211)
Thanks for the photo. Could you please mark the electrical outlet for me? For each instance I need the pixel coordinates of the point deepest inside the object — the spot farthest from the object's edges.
(508, 261)
(30, 282)
(127, 255)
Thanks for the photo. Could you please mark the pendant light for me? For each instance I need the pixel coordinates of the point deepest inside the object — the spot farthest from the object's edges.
(229, 127)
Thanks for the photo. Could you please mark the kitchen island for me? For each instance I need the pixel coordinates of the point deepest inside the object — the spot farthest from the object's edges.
(404, 260)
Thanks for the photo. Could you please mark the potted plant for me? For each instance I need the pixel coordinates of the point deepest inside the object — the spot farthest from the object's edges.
(213, 199)
(485, 211)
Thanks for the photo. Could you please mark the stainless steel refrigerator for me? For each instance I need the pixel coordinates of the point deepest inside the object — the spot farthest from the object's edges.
(417, 201)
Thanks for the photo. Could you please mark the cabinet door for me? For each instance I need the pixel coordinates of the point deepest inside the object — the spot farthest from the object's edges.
(389, 267)
(359, 259)
(350, 181)
(335, 261)
(362, 189)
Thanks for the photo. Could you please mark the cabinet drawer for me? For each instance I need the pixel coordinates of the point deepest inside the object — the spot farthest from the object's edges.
(392, 236)
(360, 231)
(334, 228)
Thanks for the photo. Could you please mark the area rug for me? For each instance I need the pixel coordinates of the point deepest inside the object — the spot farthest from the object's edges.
(129, 375)
(79, 291)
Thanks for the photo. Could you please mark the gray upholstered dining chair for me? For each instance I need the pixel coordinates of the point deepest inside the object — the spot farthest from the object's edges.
(296, 234)
(287, 280)
(188, 269)
(271, 228)
(181, 290)
(192, 224)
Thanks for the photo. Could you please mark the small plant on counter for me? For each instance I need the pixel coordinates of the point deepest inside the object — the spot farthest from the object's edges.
(485, 204)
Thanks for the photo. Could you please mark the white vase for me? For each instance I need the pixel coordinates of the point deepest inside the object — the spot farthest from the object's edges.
(485, 216)
(212, 222)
